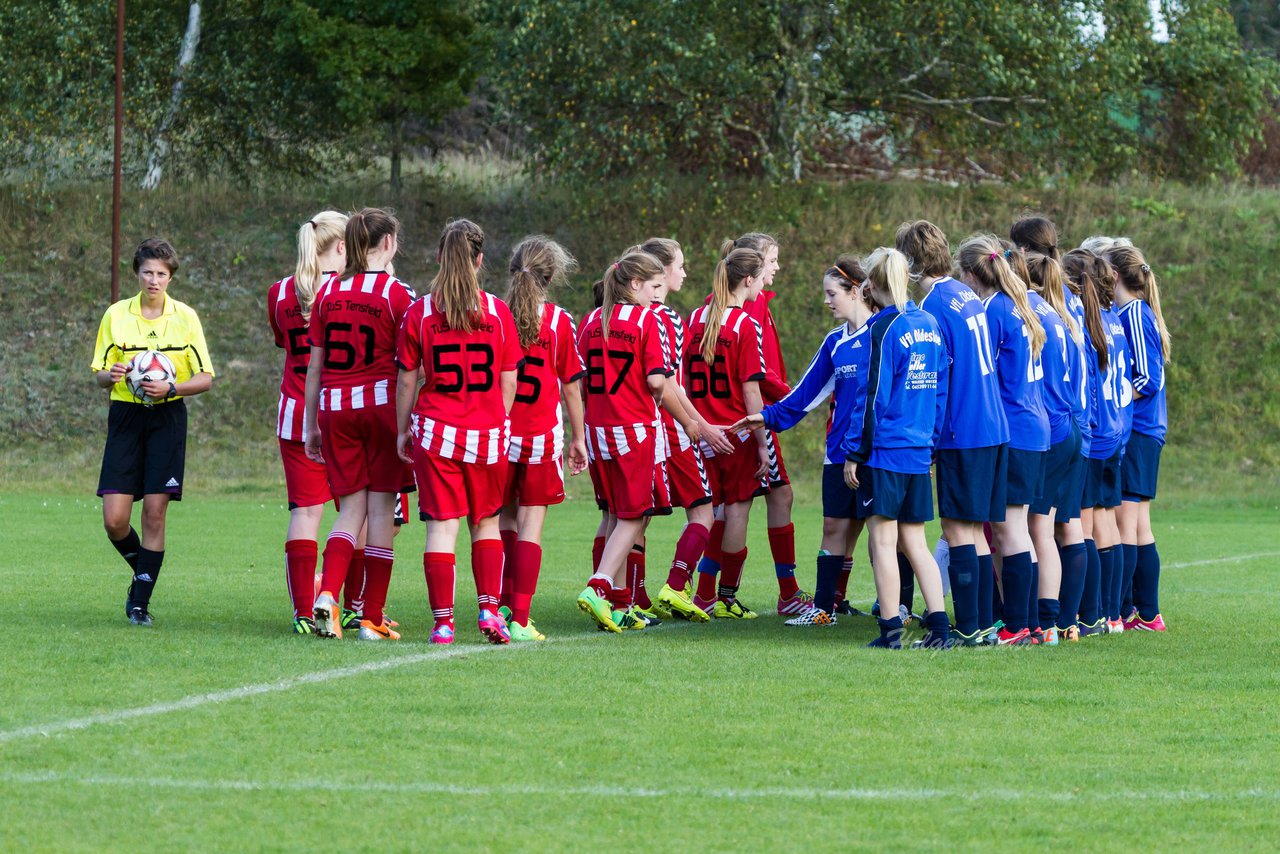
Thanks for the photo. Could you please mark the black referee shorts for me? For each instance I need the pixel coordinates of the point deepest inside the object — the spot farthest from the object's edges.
(146, 450)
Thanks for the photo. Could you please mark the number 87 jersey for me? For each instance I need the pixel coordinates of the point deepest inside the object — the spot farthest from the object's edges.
(460, 413)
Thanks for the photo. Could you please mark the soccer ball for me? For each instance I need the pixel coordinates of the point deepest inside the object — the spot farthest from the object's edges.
(150, 365)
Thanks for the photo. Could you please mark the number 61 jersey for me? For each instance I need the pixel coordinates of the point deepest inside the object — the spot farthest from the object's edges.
(355, 321)
(459, 414)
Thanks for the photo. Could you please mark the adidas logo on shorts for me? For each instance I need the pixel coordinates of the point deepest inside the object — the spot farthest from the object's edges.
(173, 481)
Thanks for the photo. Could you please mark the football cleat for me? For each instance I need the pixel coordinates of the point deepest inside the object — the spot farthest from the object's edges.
(1096, 628)
(591, 604)
(1115, 627)
(328, 618)
(1155, 624)
(934, 640)
(523, 634)
(1070, 634)
(350, 619)
(731, 609)
(1049, 636)
(1129, 619)
(505, 613)
(304, 626)
(442, 633)
(370, 632)
(959, 638)
(681, 605)
(844, 609)
(648, 615)
(812, 617)
(493, 627)
(139, 616)
(628, 620)
(1022, 637)
(659, 610)
(1037, 634)
(706, 606)
(799, 603)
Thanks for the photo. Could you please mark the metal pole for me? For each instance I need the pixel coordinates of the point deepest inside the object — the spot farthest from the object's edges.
(116, 157)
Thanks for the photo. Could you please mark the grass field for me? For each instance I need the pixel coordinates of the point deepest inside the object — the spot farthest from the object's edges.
(219, 730)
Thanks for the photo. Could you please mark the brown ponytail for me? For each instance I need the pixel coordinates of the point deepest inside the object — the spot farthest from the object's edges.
(757, 240)
(731, 271)
(616, 284)
(1135, 273)
(456, 288)
(982, 257)
(365, 230)
(537, 264)
(1081, 267)
(1036, 234)
(1046, 278)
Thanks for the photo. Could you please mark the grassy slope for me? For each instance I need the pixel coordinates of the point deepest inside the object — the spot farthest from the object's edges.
(1213, 248)
(719, 736)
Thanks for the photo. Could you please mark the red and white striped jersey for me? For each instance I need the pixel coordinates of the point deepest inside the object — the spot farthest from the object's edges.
(676, 438)
(715, 389)
(537, 430)
(619, 405)
(460, 413)
(355, 321)
(289, 327)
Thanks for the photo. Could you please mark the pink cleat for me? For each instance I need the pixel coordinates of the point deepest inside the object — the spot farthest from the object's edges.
(1153, 625)
(800, 603)
(493, 627)
(442, 633)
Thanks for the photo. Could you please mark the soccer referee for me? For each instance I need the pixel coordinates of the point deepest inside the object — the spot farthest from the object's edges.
(147, 438)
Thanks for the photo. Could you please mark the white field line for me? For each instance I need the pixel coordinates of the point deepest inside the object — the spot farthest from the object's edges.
(684, 792)
(196, 701)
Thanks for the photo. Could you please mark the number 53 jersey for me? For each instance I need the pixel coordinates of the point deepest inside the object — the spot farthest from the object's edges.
(459, 413)
(355, 320)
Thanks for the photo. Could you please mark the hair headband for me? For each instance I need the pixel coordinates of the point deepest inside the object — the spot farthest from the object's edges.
(836, 268)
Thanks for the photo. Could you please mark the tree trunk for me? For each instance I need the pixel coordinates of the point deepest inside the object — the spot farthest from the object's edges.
(397, 150)
(160, 144)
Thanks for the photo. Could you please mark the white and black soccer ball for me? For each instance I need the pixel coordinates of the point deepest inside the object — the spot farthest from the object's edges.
(151, 365)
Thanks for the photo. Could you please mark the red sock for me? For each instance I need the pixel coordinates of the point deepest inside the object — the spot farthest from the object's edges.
(486, 568)
(353, 587)
(508, 567)
(300, 573)
(635, 573)
(528, 564)
(706, 587)
(689, 549)
(597, 552)
(440, 569)
(602, 587)
(713, 549)
(782, 544)
(619, 598)
(731, 569)
(377, 578)
(842, 583)
(337, 558)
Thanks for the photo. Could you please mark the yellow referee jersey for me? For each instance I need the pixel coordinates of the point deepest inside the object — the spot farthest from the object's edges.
(177, 333)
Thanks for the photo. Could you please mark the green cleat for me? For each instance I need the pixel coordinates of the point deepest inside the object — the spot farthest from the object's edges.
(505, 613)
(681, 605)
(732, 609)
(629, 620)
(649, 615)
(350, 619)
(591, 604)
(521, 634)
(304, 626)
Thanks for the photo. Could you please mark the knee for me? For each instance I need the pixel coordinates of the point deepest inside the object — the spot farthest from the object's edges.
(117, 527)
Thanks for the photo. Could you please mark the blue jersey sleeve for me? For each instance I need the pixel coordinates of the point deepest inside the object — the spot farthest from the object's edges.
(811, 390)
(1147, 351)
(944, 390)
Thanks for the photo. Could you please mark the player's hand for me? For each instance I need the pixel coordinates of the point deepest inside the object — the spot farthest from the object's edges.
(404, 447)
(693, 430)
(117, 371)
(764, 461)
(851, 474)
(577, 456)
(156, 389)
(312, 447)
(751, 422)
(716, 438)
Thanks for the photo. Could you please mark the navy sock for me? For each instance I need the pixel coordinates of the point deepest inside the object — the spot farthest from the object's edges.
(824, 591)
(937, 622)
(890, 634)
(1117, 581)
(907, 581)
(1074, 558)
(1047, 609)
(986, 591)
(1146, 582)
(1091, 595)
(128, 547)
(1130, 553)
(963, 569)
(1110, 584)
(1016, 575)
(144, 577)
(1033, 596)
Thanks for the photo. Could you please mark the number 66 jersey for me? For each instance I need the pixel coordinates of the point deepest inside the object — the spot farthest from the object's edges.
(460, 414)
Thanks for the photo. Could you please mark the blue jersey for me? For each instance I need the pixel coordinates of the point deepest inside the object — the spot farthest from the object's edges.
(1076, 307)
(1150, 412)
(839, 368)
(974, 416)
(1020, 374)
(1063, 379)
(1111, 394)
(906, 399)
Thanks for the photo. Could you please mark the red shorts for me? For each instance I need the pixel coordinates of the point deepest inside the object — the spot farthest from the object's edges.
(306, 482)
(359, 447)
(687, 478)
(402, 509)
(733, 477)
(451, 489)
(535, 484)
(631, 486)
(777, 466)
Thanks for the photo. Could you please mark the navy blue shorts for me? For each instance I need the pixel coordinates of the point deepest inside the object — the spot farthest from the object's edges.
(1060, 460)
(1026, 476)
(894, 495)
(971, 483)
(1140, 468)
(838, 500)
(1102, 482)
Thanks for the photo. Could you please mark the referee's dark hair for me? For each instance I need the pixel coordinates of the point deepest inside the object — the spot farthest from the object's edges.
(156, 249)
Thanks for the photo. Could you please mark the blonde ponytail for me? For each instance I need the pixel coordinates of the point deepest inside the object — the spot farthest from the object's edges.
(536, 264)
(1046, 278)
(889, 273)
(982, 257)
(316, 236)
(1135, 273)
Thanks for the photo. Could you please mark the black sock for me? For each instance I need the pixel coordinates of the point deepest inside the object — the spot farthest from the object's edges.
(128, 546)
(906, 583)
(144, 577)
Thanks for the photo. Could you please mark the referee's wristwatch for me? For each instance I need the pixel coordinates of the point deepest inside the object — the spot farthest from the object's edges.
(173, 391)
